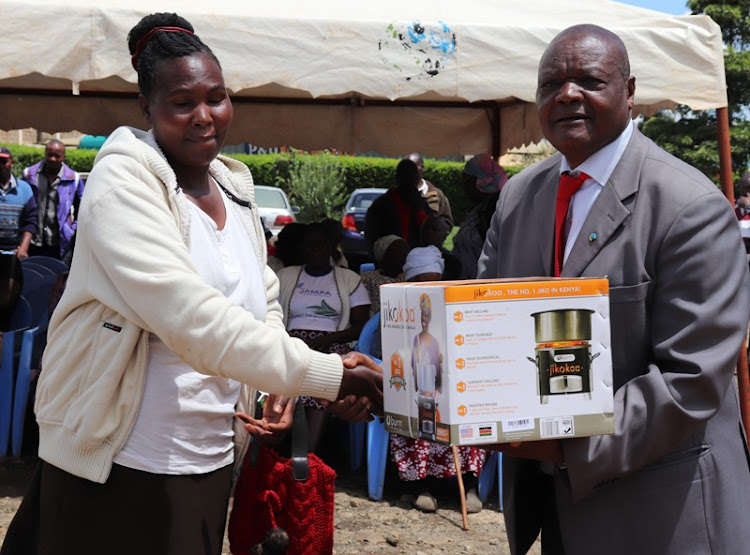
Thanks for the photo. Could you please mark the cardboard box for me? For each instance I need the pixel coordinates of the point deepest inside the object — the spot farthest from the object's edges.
(518, 360)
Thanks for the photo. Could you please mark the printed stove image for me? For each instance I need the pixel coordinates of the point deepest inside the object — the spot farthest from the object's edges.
(563, 353)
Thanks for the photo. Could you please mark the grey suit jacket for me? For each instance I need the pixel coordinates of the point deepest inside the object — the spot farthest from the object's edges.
(674, 477)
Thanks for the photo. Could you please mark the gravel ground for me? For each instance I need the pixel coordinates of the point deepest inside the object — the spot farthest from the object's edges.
(361, 525)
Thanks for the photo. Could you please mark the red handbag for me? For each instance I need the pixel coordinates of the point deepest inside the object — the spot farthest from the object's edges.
(295, 495)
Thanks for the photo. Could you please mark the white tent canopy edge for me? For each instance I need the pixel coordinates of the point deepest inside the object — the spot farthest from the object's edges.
(431, 75)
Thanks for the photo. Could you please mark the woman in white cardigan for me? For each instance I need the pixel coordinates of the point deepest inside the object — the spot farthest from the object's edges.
(169, 314)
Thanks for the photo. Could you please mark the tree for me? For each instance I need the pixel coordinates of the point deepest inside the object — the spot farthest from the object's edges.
(690, 135)
(316, 185)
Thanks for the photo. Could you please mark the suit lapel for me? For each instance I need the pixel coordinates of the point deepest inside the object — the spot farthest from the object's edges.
(608, 212)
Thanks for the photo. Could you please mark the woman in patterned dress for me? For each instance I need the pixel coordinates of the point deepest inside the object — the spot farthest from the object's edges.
(419, 459)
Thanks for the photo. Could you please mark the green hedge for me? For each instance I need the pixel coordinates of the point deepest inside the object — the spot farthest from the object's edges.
(273, 169)
(362, 171)
(25, 156)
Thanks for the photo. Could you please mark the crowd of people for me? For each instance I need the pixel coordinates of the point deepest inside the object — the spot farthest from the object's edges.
(176, 327)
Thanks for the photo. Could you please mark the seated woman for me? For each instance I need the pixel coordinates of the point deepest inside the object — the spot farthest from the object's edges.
(286, 250)
(323, 305)
(434, 232)
(390, 255)
(418, 459)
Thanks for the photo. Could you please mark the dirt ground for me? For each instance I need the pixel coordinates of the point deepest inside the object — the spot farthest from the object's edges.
(361, 525)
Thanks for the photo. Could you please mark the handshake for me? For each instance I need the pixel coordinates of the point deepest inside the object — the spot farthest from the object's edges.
(360, 398)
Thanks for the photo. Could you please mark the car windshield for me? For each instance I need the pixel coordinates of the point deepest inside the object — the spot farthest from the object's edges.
(269, 198)
(364, 200)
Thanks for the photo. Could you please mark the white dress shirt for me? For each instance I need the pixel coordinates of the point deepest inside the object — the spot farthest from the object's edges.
(599, 167)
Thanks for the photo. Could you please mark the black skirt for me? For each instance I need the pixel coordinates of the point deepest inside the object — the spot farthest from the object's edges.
(133, 512)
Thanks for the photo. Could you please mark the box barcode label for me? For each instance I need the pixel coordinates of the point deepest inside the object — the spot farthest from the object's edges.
(556, 427)
(518, 425)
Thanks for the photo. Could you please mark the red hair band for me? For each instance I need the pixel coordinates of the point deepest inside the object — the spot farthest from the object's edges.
(141, 44)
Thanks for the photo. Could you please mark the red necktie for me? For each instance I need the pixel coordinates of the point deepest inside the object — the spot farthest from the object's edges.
(566, 189)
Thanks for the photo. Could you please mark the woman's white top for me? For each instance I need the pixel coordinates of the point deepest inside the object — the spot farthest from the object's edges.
(184, 425)
(316, 302)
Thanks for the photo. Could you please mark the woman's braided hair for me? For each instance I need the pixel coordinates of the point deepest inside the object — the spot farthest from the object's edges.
(161, 45)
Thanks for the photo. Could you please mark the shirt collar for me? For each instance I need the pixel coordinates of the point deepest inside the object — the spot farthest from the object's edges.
(423, 188)
(600, 165)
(12, 185)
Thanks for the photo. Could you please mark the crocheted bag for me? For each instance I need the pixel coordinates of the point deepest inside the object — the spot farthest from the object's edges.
(268, 496)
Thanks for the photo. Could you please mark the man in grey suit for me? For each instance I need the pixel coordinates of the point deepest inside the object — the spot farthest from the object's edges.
(674, 478)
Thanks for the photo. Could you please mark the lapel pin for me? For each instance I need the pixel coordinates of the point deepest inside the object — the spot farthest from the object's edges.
(592, 237)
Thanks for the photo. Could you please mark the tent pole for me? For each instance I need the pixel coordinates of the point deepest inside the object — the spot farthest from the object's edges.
(743, 381)
(496, 132)
(725, 153)
(725, 165)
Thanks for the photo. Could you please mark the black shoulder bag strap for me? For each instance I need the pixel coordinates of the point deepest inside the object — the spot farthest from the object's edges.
(234, 198)
(300, 463)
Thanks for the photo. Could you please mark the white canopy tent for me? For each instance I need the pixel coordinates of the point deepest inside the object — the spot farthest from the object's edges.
(393, 76)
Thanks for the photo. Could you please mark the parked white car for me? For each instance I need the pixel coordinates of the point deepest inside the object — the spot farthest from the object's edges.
(274, 208)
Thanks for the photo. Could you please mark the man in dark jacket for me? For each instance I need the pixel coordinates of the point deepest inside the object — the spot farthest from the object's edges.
(58, 191)
(400, 211)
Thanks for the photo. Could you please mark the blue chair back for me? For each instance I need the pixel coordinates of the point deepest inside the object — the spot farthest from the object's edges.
(11, 281)
(37, 269)
(20, 320)
(57, 266)
(369, 335)
(37, 289)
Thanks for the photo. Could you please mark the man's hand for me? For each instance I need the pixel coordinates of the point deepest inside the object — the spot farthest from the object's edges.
(546, 450)
(278, 413)
(22, 253)
(362, 380)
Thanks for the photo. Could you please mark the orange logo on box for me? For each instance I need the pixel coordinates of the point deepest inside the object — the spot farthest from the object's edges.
(459, 340)
(458, 316)
(460, 363)
(397, 371)
(462, 410)
(461, 387)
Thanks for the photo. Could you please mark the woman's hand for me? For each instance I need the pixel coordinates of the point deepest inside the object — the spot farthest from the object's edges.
(351, 408)
(278, 413)
(354, 358)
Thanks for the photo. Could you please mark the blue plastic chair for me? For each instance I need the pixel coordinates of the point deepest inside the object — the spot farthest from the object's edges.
(367, 336)
(377, 437)
(357, 430)
(20, 320)
(493, 463)
(366, 267)
(377, 458)
(356, 444)
(32, 344)
(57, 266)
